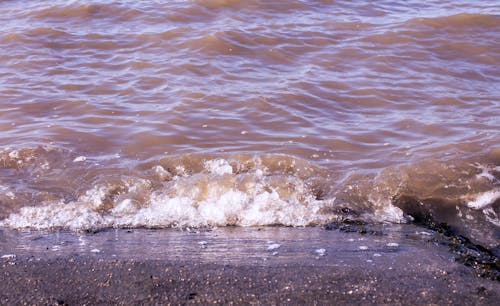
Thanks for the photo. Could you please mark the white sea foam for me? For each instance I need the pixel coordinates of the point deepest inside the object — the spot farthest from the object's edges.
(80, 159)
(56, 215)
(484, 199)
(491, 216)
(162, 173)
(125, 207)
(486, 172)
(389, 213)
(218, 166)
(215, 197)
(320, 252)
(273, 246)
(232, 208)
(14, 154)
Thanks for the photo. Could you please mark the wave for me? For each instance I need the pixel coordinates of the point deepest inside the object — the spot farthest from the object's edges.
(460, 21)
(436, 31)
(253, 5)
(86, 11)
(52, 188)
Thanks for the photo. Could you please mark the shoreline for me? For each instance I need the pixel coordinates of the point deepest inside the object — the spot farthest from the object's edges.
(270, 265)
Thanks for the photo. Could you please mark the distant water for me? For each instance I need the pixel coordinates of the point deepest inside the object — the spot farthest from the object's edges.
(214, 113)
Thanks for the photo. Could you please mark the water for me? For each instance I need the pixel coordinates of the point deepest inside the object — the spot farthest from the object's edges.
(228, 245)
(250, 113)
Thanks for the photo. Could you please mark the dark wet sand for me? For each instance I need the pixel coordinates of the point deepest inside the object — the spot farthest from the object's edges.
(240, 266)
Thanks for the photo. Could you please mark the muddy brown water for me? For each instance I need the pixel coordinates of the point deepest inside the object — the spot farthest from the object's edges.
(250, 113)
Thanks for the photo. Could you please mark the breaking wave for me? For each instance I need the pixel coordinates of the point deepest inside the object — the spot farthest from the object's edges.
(51, 188)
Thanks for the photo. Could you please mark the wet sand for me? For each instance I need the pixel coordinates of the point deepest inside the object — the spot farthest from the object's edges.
(396, 265)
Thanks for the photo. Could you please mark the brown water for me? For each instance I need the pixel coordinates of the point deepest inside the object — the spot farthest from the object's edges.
(213, 113)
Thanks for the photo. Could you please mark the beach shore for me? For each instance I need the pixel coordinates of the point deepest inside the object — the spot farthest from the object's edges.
(290, 266)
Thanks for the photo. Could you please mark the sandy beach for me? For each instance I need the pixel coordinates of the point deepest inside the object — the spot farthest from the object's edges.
(264, 266)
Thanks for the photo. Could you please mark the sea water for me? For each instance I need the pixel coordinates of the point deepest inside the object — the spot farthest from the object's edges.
(250, 113)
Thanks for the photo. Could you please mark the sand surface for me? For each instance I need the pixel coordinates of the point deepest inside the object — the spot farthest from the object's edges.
(399, 265)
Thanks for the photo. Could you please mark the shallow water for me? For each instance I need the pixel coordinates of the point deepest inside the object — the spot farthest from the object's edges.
(213, 113)
(229, 245)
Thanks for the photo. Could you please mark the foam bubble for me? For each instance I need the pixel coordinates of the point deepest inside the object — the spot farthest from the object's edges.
(320, 252)
(486, 172)
(218, 166)
(162, 173)
(273, 246)
(484, 199)
(491, 216)
(14, 154)
(389, 213)
(56, 215)
(80, 159)
(125, 207)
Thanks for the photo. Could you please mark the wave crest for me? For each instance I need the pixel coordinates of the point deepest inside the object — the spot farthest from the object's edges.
(51, 188)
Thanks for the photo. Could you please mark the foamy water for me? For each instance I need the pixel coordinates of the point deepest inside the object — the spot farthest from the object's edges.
(215, 113)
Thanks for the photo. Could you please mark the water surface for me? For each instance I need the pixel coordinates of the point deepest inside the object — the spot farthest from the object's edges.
(214, 113)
